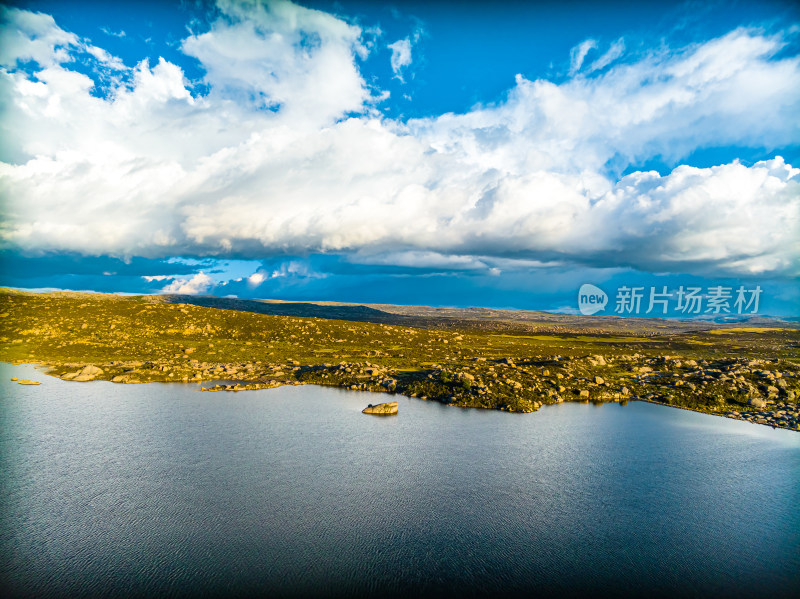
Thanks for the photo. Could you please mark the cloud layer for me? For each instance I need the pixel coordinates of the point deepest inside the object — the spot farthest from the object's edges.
(283, 149)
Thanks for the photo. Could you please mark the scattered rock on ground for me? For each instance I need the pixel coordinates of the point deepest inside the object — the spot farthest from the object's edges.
(89, 372)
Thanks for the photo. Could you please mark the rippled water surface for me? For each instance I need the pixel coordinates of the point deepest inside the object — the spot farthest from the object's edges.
(158, 489)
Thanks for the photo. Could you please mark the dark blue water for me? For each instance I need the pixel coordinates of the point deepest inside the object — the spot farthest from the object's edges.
(159, 490)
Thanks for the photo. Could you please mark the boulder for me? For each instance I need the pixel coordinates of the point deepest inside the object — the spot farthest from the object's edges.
(382, 409)
(757, 402)
(599, 380)
(27, 382)
(89, 372)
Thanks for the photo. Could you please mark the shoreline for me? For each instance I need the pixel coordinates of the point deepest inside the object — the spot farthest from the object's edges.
(229, 385)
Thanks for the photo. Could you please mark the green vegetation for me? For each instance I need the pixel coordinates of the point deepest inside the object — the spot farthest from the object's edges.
(746, 372)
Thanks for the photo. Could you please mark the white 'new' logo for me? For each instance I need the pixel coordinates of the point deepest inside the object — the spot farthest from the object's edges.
(591, 299)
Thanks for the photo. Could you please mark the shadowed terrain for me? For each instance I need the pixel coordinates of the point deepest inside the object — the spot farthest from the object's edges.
(471, 318)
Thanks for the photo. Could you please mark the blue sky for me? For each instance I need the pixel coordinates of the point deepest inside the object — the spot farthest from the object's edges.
(457, 154)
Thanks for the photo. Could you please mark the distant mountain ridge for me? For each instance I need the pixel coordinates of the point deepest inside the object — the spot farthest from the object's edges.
(477, 318)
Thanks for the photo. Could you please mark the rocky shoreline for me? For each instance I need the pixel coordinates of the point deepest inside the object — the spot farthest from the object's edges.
(783, 416)
(758, 391)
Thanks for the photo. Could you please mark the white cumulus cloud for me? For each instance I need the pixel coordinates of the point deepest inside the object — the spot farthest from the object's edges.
(612, 54)
(401, 56)
(256, 279)
(578, 54)
(283, 56)
(199, 283)
(287, 152)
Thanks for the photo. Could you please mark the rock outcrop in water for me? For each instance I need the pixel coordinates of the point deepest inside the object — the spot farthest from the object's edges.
(382, 409)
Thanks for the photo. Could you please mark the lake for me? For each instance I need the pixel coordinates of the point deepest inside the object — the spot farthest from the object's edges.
(160, 490)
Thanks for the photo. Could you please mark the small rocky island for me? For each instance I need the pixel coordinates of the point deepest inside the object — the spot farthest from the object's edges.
(382, 409)
(501, 360)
